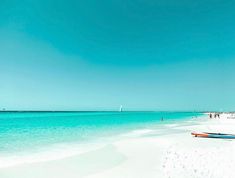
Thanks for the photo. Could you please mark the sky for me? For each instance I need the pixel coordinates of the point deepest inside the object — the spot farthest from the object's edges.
(97, 55)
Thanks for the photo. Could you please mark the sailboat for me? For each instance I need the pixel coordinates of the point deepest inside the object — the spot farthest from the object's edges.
(120, 109)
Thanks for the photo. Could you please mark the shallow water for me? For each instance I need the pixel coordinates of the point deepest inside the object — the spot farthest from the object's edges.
(40, 135)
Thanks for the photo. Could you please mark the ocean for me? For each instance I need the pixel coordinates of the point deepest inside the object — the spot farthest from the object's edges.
(39, 136)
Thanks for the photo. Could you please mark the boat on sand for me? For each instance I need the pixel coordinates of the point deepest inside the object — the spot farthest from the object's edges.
(213, 135)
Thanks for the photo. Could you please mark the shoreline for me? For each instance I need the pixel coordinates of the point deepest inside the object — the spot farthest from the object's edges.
(176, 154)
(65, 150)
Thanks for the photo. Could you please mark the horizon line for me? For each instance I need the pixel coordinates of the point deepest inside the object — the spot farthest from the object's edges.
(198, 111)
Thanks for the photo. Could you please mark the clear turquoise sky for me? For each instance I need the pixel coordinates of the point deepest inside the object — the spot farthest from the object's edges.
(95, 55)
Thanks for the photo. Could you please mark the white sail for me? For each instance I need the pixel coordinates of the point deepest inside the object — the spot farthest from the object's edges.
(120, 109)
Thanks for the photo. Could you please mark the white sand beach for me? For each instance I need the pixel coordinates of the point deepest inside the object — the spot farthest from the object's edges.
(173, 155)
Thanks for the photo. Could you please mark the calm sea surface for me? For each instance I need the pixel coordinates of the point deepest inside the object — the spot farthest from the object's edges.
(23, 133)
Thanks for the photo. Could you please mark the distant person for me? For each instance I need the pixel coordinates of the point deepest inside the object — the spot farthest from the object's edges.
(162, 119)
(210, 116)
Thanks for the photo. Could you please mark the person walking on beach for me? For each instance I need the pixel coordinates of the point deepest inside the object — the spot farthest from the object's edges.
(210, 116)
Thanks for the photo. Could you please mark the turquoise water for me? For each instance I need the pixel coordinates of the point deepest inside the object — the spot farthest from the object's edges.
(24, 132)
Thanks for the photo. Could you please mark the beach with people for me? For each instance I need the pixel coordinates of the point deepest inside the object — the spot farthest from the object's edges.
(146, 152)
(117, 89)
